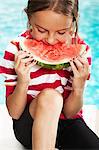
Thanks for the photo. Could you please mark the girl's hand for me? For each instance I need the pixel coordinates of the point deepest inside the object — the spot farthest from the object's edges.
(23, 63)
(80, 69)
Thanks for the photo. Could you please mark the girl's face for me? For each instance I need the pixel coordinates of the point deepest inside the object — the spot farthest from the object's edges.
(50, 27)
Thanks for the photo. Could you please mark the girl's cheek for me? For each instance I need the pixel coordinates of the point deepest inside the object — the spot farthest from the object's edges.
(65, 38)
(35, 35)
(61, 39)
(38, 36)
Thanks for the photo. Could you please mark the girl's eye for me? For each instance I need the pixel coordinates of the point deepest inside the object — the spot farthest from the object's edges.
(61, 33)
(41, 31)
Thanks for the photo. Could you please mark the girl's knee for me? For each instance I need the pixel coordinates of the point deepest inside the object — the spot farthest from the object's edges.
(50, 99)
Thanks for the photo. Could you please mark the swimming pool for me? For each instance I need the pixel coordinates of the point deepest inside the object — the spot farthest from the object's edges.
(13, 21)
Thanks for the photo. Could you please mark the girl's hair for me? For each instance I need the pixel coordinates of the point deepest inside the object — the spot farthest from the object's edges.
(66, 7)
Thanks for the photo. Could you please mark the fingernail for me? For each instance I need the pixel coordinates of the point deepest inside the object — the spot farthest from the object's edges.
(31, 56)
(79, 56)
(71, 60)
(32, 61)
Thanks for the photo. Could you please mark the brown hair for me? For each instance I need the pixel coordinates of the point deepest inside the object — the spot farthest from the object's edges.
(66, 7)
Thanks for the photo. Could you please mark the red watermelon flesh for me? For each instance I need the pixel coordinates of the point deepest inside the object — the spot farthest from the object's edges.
(51, 54)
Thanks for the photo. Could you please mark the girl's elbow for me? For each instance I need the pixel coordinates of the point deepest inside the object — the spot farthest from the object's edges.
(71, 113)
(13, 114)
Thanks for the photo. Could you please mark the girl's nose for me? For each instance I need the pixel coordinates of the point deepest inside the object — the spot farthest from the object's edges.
(51, 39)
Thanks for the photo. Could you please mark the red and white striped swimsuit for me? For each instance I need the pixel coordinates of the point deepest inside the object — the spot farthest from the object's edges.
(41, 78)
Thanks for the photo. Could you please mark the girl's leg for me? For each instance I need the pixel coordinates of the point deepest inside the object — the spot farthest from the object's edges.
(23, 128)
(46, 115)
(75, 134)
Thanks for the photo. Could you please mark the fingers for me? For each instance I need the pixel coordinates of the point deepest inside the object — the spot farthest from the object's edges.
(21, 54)
(22, 58)
(29, 66)
(80, 65)
(31, 62)
(84, 61)
(18, 57)
(75, 71)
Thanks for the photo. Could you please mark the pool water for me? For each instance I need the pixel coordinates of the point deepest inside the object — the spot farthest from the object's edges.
(13, 21)
(89, 27)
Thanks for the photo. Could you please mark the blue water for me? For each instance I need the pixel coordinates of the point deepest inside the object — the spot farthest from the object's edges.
(13, 21)
(89, 27)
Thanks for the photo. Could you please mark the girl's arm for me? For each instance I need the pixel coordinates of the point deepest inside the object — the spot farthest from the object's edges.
(74, 102)
(16, 101)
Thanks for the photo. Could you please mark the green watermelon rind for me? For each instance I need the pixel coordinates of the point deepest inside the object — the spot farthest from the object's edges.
(45, 64)
(54, 67)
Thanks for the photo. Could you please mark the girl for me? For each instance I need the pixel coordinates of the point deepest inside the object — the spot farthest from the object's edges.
(46, 113)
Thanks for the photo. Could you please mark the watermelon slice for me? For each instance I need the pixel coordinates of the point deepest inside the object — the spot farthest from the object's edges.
(51, 56)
